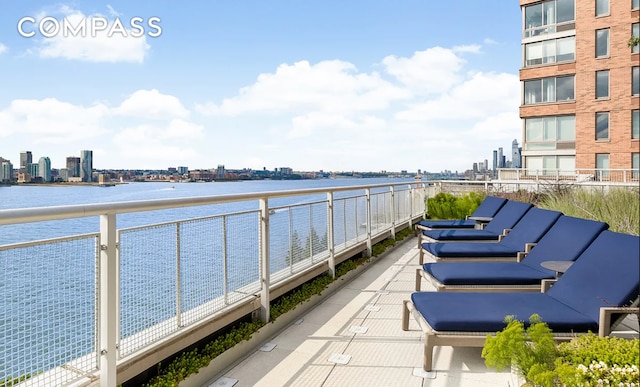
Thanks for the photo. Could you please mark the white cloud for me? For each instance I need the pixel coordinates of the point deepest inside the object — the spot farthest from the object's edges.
(3, 48)
(480, 95)
(471, 48)
(113, 44)
(52, 121)
(434, 70)
(489, 41)
(152, 104)
(332, 86)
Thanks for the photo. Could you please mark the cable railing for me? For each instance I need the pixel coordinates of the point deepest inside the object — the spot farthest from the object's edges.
(102, 307)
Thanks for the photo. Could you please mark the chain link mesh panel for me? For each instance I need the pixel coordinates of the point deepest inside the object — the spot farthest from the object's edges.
(47, 311)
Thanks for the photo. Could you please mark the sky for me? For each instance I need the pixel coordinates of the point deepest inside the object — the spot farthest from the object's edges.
(374, 85)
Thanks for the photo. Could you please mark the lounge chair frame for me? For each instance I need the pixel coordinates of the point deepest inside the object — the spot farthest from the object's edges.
(433, 338)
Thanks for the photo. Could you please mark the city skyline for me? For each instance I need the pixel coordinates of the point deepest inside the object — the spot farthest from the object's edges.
(371, 87)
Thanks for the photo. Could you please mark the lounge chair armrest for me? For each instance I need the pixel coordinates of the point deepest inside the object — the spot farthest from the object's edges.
(504, 234)
(605, 317)
(529, 246)
(521, 255)
(546, 284)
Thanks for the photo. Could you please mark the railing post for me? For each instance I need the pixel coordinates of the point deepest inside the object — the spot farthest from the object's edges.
(369, 241)
(393, 212)
(108, 292)
(178, 278)
(330, 240)
(264, 260)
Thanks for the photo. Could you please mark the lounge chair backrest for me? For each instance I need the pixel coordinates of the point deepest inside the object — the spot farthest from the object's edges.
(489, 207)
(508, 216)
(533, 225)
(564, 241)
(605, 274)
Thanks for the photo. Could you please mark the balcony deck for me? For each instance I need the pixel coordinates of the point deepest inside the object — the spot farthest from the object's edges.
(361, 322)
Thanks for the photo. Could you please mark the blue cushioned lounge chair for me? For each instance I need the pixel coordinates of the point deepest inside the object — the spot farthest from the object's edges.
(565, 241)
(533, 225)
(485, 211)
(501, 223)
(602, 284)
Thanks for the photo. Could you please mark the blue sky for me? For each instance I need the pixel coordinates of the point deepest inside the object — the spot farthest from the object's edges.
(332, 85)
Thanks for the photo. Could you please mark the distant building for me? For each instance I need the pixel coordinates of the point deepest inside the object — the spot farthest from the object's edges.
(220, 172)
(495, 161)
(26, 158)
(515, 155)
(500, 158)
(73, 167)
(44, 169)
(63, 174)
(86, 165)
(6, 171)
(32, 171)
(183, 170)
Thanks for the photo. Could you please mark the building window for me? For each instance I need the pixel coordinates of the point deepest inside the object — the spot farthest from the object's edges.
(548, 17)
(635, 80)
(635, 4)
(550, 51)
(552, 89)
(602, 126)
(551, 165)
(635, 31)
(602, 84)
(602, 165)
(602, 7)
(553, 132)
(635, 124)
(635, 165)
(602, 43)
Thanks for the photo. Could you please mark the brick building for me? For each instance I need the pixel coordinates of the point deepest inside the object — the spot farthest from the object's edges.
(580, 84)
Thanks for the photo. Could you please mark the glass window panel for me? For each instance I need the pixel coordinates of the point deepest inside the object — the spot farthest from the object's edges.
(635, 164)
(566, 10)
(602, 84)
(635, 31)
(602, 126)
(549, 51)
(602, 7)
(532, 91)
(635, 80)
(550, 129)
(533, 16)
(533, 54)
(567, 165)
(566, 128)
(602, 160)
(549, 165)
(566, 49)
(548, 89)
(534, 164)
(564, 88)
(549, 13)
(635, 4)
(602, 42)
(635, 124)
(533, 129)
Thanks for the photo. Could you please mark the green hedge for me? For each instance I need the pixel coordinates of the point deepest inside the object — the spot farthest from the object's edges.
(448, 206)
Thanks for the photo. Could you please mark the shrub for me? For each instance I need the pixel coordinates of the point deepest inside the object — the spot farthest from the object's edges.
(586, 360)
(448, 206)
(619, 207)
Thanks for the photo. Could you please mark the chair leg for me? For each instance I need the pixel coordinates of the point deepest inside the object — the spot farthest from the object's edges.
(418, 279)
(428, 352)
(421, 257)
(405, 315)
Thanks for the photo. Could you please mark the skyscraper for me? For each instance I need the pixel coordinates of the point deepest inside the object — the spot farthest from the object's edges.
(25, 159)
(73, 166)
(515, 155)
(500, 158)
(44, 168)
(6, 171)
(581, 84)
(86, 165)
